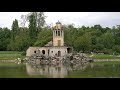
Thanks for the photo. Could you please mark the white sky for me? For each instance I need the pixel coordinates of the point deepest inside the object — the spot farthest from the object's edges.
(105, 19)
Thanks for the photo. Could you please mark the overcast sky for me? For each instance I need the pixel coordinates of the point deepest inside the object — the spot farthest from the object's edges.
(105, 19)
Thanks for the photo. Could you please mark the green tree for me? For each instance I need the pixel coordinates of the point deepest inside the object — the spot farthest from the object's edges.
(32, 26)
(40, 20)
(43, 37)
(4, 38)
(15, 28)
(83, 43)
(116, 48)
(107, 40)
(21, 42)
(36, 22)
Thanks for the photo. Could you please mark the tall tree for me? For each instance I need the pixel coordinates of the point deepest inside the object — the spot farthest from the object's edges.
(15, 28)
(32, 26)
(36, 21)
(40, 20)
(4, 38)
(24, 20)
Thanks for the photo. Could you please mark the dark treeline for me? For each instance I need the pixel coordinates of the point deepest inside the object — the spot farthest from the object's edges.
(85, 39)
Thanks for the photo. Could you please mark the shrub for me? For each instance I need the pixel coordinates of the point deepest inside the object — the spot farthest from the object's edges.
(23, 53)
(107, 51)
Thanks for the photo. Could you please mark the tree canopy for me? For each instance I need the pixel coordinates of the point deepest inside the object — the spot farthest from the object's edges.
(84, 39)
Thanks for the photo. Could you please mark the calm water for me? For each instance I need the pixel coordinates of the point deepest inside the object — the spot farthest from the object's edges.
(13, 70)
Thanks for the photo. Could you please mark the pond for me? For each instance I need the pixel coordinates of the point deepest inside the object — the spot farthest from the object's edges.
(93, 70)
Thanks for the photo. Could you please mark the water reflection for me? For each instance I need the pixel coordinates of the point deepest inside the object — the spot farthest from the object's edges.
(51, 71)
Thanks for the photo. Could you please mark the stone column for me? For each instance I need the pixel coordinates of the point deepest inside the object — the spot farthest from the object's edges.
(53, 32)
(60, 33)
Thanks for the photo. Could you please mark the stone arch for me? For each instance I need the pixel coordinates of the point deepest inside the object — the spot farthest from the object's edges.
(69, 50)
(43, 52)
(56, 32)
(59, 53)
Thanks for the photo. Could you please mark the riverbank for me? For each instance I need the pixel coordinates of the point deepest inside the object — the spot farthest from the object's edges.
(104, 56)
(107, 60)
(10, 55)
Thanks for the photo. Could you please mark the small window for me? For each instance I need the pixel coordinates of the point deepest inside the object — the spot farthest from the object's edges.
(65, 51)
(52, 51)
(34, 51)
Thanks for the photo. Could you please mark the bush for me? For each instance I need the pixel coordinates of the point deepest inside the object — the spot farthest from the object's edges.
(23, 53)
(107, 51)
(116, 48)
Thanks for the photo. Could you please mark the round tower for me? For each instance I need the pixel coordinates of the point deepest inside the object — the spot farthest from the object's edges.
(58, 35)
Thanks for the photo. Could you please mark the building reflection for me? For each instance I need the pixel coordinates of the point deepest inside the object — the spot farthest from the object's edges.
(51, 71)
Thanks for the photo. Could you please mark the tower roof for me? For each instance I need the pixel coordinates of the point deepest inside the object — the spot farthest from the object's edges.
(58, 22)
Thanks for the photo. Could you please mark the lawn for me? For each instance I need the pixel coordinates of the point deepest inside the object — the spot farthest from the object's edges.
(105, 56)
(104, 62)
(10, 55)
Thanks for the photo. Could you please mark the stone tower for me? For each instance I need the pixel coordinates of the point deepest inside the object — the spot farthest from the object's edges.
(58, 35)
(55, 47)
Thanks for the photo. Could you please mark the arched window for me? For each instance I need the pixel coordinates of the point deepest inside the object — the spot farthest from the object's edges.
(43, 52)
(59, 53)
(58, 33)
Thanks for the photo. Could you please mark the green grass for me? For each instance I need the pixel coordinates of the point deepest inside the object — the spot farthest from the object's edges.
(10, 52)
(10, 55)
(105, 56)
(107, 62)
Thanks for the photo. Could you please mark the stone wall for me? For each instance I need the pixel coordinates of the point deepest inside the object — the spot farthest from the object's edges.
(31, 50)
(54, 51)
(47, 51)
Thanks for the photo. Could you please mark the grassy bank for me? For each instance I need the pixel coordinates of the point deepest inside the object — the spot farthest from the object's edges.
(10, 55)
(104, 62)
(104, 56)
